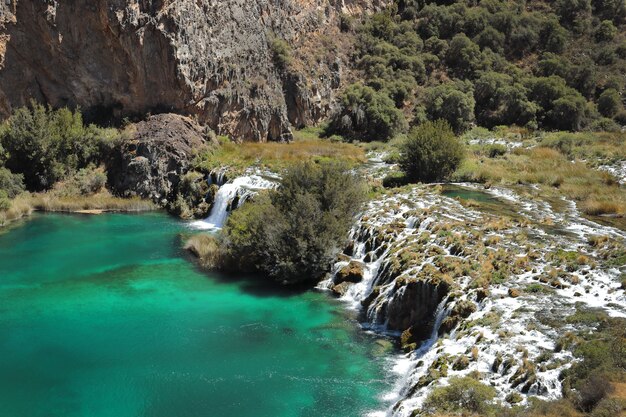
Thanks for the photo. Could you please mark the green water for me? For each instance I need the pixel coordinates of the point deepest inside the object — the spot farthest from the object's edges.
(453, 191)
(104, 316)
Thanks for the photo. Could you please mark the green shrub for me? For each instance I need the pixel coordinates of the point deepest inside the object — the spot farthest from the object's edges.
(461, 395)
(366, 114)
(281, 52)
(292, 234)
(495, 151)
(395, 179)
(605, 31)
(452, 102)
(46, 145)
(90, 180)
(11, 183)
(464, 56)
(604, 124)
(431, 152)
(609, 102)
(5, 203)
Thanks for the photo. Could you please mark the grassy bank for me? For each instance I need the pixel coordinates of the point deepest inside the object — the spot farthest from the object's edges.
(557, 165)
(24, 204)
(307, 146)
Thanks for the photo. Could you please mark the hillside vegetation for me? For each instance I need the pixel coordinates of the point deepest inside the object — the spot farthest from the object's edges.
(548, 65)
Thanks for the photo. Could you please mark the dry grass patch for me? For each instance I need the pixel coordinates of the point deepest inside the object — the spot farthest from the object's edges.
(594, 192)
(103, 201)
(206, 248)
(20, 207)
(276, 156)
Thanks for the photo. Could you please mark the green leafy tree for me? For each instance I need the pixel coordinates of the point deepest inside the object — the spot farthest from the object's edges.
(292, 234)
(431, 152)
(492, 39)
(367, 114)
(453, 102)
(464, 56)
(46, 145)
(560, 106)
(609, 103)
(606, 31)
(12, 184)
(502, 101)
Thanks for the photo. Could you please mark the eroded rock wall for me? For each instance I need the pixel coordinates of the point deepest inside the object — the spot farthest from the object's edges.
(209, 58)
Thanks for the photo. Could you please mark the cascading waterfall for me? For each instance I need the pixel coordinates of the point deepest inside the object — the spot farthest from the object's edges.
(232, 195)
(217, 177)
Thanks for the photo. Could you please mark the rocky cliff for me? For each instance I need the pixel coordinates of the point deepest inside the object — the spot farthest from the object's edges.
(209, 58)
(158, 152)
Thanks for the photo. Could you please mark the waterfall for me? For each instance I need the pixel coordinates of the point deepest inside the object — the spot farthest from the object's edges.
(231, 196)
(443, 309)
(217, 177)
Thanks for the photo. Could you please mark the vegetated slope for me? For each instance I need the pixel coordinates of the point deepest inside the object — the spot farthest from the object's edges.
(228, 62)
(548, 65)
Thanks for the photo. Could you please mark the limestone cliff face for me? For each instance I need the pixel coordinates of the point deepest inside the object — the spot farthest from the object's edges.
(210, 58)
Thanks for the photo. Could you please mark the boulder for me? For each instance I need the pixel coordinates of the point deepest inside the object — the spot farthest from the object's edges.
(353, 272)
(151, 163)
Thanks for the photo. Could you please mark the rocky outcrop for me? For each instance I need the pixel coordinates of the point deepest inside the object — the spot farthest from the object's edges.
(151, 163)
(214, 59)
(353, 272)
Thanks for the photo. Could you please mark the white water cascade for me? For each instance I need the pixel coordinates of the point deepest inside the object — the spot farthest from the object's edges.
(232, 195)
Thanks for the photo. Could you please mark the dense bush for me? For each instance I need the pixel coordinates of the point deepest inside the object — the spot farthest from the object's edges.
(453, 102)
(491, 48)
(292, 234)
(47, 145)
(502, 101)
(609, 103)
(431, 152)
(11, 183)
(367, 114)
(461, 395)
(5, 203)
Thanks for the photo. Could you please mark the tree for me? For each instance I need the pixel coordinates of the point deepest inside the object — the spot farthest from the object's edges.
(11, 183)
(606, 31)
(560, 106)
(292, 234)
(367, 114)
(567, 112)
(502, 101)
(492, 39)
(571, 10)
(609, 103)
(464, 55)
(46, 145)
(453, 102)
(431, 152)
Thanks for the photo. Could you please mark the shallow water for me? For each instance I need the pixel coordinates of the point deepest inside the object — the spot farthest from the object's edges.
(454, 191)
(104, 316)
